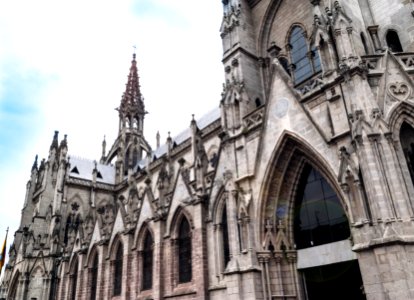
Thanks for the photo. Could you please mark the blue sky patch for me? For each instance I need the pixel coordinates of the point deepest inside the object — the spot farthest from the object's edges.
(148, 9)
(19, 112)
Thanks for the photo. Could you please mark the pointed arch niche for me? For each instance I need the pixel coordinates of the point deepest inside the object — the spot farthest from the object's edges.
(73, 278)
(12, 295)
(93, 274)
(146, 258)
(117, 268)
(181, 262)
(401, 123)
(221, 236)
(303, 216)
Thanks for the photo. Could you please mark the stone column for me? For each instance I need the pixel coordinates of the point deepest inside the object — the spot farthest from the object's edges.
(199, 251)
(291, 256)
(159, 262)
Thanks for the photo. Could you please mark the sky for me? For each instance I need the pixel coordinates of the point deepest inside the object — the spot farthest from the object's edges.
(64, 65)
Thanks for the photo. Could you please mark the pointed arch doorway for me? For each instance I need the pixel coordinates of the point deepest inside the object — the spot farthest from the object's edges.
(308, 245)
(328, 267)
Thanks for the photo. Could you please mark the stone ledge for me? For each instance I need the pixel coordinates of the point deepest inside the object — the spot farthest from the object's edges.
(390, 240)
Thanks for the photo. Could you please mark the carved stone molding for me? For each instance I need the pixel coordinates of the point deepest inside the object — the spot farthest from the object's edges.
(398, 91)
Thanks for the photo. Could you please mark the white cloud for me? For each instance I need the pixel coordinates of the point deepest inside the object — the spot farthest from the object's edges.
(83, 50)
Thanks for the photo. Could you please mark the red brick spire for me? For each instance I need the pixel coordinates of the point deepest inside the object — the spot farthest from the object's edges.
(132, 101)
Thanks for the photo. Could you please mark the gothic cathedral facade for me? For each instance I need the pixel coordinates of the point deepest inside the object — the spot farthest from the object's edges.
(299, 186)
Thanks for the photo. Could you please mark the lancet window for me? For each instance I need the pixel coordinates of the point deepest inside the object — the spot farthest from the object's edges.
(225, 236)
(184, 252)
(304, 61)
(74, 279)
(147, 261)
(94, 277)
(118, 266)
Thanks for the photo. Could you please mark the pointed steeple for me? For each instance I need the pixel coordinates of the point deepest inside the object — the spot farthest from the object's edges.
(132, 102)
(130, 143)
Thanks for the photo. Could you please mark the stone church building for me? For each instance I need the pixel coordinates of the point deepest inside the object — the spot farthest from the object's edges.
(299, 186)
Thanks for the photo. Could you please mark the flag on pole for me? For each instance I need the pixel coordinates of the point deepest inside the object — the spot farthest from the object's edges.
(3, 252)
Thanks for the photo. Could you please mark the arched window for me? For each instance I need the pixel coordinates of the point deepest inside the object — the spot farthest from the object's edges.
(73, 279)
(184, 252)
(225, 236)
(94, 277)
(407, 144)
(118, 265)
(305, 63)
(147, 261)
(318, 214)
(393, 41)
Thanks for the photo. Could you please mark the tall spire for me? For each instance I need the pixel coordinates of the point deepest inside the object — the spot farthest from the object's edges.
(132, 100)
(130, 143)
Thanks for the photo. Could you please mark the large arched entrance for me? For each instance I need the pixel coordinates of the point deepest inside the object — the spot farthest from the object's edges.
(321, 233)
(307, 234)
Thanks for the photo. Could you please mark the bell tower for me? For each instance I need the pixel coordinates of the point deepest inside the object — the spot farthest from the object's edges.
(130, 144)
(243, 91)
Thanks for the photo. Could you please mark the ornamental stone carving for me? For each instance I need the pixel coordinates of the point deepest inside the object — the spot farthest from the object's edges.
(398, 91)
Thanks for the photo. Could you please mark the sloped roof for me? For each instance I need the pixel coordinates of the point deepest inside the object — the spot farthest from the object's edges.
(82, 168)
(202, 123)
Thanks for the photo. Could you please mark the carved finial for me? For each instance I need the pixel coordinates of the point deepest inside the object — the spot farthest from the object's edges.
(55, 140)
(158, 138)
(34, 167)
(104, 146)
(269, 225)
(64, 142)
(134, 54)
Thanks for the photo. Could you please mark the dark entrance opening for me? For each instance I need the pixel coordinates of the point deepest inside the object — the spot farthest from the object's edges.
(337, 281)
